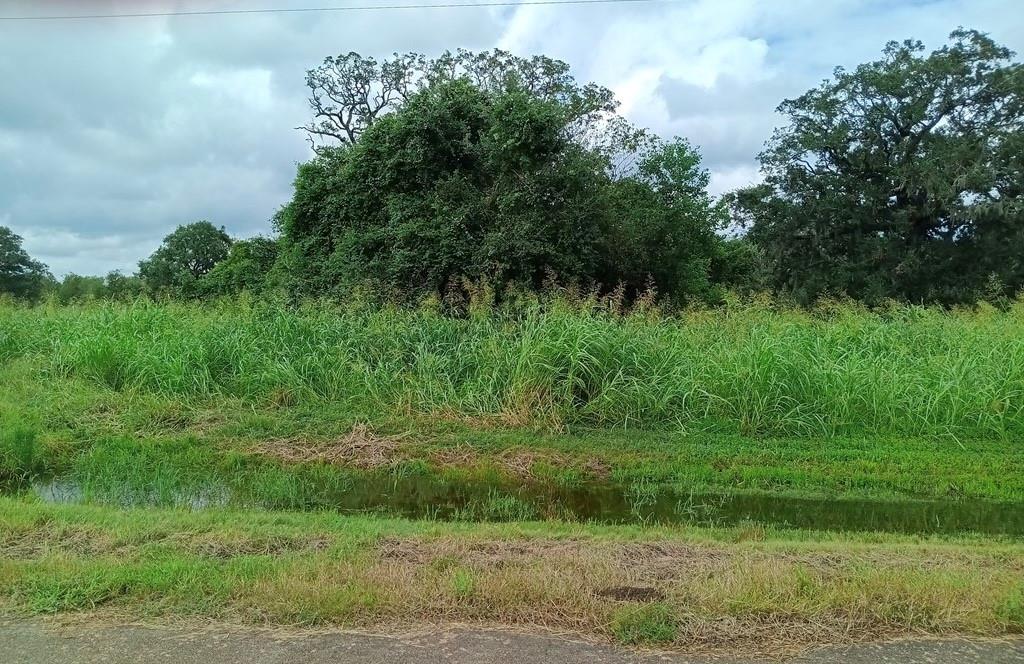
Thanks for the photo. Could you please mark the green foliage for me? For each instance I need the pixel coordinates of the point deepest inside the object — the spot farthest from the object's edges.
(463, 582)
(342, 111)
(20, 275)
(1011, 611)
(738, 265)
(74, 288)
(187, 254)
(77, 288)
(492, 176)
(645, 624)
(246, 268)
(903, 178)
(123, 287)
(658, 225)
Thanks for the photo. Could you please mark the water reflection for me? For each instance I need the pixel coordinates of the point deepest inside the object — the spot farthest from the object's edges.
(424, 497)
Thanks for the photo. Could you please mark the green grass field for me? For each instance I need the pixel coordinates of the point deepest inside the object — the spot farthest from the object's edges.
(154, 412)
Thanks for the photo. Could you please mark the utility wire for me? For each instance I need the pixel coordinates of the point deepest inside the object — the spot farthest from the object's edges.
(352, 8)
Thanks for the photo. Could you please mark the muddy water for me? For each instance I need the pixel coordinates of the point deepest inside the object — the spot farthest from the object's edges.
(419, 497)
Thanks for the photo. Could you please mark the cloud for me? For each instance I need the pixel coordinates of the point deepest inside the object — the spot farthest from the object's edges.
(114, 132)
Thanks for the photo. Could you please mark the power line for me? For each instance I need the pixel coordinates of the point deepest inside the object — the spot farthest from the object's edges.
(353, 8)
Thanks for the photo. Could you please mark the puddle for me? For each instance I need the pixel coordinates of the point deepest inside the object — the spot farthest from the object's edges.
(418, 497)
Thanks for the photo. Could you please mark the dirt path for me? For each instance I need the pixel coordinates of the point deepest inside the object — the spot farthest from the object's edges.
(44, 642)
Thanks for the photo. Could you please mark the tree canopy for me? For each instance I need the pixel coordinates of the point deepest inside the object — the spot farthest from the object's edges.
(20, 275)
(902, 178)
(246, 268)
(185, 255)
(489, 166)
(348, 93)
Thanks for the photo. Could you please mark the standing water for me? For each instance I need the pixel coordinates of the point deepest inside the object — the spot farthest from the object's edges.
(420, 497)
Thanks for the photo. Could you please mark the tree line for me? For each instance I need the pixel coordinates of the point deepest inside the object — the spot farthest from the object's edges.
(901, 179)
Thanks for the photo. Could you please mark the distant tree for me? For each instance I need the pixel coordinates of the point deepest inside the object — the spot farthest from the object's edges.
(738, 265)
(187, 254)
(246, 268)
(123, 287)
(114, 286)
(75, 287)
(20, 275)
(659, 223)
(902, 178)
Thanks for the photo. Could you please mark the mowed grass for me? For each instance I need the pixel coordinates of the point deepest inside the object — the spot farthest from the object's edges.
(750, 369)
(730, 588)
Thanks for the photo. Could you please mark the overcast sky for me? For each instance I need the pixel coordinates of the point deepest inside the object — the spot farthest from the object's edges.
(114, 132)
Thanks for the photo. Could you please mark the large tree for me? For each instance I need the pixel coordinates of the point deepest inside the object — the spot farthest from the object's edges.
(348, 93)
(20, 274)
(185, 255)
(494, 167)
(902, 178)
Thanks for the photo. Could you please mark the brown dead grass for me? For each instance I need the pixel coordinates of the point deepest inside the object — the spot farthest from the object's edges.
(517, 462)
(359, 448)
(725, 598)
(364, 449)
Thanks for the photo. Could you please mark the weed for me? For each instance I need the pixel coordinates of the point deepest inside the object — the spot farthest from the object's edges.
(21, 457)
(1011, 610)
(463, 582)
(645, 624)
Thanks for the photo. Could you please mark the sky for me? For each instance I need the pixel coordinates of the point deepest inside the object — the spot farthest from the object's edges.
(113, 132)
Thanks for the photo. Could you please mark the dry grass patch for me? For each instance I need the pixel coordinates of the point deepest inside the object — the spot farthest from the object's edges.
(733, 596)
(215, 545)
(519, 463)
(37, 541)
(360, 448)
(699, 590)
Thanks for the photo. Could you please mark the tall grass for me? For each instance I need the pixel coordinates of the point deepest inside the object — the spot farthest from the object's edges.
(749, 368)
(21, 456)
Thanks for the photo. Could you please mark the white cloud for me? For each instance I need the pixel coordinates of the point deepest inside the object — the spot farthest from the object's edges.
(733, 177)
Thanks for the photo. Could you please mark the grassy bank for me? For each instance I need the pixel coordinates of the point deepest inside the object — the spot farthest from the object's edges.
(104, 437)
(731, 587)
(749, 370)
(910, 403)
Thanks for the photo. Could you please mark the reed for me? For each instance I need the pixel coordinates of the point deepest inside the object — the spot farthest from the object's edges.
(752, 368)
